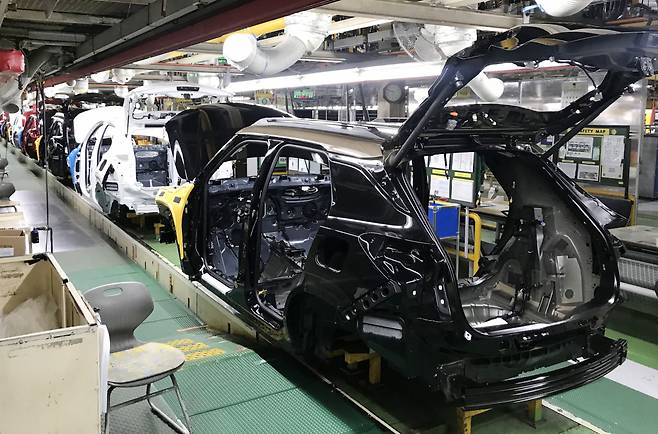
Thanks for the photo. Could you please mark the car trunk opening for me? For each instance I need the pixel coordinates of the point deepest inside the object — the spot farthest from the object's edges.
(546, 262)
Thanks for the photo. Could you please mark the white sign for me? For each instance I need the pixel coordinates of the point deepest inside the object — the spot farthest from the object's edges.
(587, 172)
(612, 157)
(462, 190)
(463, 161)
(440, 186)
(441, 161)
(580, 147)
(568, 168)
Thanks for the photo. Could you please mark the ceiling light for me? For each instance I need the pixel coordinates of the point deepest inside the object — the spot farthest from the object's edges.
(396, 71)
(341, 76)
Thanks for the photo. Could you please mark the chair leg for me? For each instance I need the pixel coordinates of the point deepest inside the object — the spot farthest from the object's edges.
(178, 427)
(186, 416)
(106, 422)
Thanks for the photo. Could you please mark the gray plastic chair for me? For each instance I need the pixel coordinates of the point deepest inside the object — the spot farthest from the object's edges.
(122, 308)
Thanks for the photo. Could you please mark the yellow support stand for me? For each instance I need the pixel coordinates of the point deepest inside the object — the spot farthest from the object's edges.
(465, 417)
(353, 359)
(157, 227)
(374, 364)
(141, 219)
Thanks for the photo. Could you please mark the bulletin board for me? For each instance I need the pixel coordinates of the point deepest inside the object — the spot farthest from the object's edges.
(455, 177)
(598, 155)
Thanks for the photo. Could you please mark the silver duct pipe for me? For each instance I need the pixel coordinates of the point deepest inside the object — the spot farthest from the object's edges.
(562, 8)
(440, 42)
(304, 33)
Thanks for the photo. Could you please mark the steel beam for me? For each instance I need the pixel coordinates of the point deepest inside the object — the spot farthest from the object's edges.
(3, 10)
(146, 19)
(127, 2)
(14, 32)
(230, 19)
(51, 9)
(418, 12)
(60, 17)
(177, 67)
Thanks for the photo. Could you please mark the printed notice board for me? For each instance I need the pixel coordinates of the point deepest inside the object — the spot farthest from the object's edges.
(455, 177)
(597, 155)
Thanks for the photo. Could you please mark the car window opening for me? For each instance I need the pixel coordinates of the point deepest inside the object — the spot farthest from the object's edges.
(229, 195)
(151, 161)
(296, 203)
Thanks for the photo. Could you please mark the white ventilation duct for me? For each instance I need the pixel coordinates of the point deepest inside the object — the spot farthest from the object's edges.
(122, 76)
(440, 42)
(100, 77)
(305, 32)
(81, 86)
(562, 8)
(121, 91)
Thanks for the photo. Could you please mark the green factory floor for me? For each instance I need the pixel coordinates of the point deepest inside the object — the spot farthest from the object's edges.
(230, 387)
(640, 412)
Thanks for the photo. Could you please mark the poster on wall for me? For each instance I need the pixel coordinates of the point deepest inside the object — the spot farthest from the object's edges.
(568, 168)
(612, 157)
(580, 147)
(440, 186)
(462, 190)
(463, 161)
(588, 172)
(441, 161)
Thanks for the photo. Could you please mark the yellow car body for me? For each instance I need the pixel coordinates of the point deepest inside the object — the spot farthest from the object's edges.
(171, 205)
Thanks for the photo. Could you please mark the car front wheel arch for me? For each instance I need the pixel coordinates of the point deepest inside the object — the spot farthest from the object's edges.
(310, 323)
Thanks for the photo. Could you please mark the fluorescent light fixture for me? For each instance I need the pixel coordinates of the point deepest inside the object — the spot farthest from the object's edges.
(396, 71)
(341, 76)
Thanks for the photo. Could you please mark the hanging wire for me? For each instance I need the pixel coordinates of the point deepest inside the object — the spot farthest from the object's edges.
(44, 144)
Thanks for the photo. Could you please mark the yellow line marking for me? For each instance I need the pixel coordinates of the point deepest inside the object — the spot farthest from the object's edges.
(204, 354)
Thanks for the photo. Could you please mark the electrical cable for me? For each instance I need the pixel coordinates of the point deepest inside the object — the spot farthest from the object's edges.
(44, 139)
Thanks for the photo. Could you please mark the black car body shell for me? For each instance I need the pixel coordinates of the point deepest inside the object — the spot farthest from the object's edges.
(380, 273)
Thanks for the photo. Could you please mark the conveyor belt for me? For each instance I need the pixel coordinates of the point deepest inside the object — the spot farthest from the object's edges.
(251, 419)
(638, 273)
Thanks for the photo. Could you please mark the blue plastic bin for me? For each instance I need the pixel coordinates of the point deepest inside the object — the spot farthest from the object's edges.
(444, 218)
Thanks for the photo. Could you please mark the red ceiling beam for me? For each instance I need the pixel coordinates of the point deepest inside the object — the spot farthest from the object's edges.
(230, 20)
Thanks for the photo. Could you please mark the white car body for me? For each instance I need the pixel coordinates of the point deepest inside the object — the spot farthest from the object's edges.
(109, 159)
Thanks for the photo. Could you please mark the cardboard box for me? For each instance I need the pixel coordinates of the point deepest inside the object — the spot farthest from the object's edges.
(12, 242)
(50, 380)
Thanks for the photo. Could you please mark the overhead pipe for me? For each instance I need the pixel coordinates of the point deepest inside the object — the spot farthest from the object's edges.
(562, 8)
(304, 33)
(440, 42)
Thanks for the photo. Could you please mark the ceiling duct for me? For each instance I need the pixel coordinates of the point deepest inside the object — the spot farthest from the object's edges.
(304, 33)
(100, 77)
(431, 43)
(122, 75)
(81, 86)
(562, 8)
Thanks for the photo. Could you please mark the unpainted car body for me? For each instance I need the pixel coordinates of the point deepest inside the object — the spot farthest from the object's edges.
(61, 137)
(345, 251)
(123, 157)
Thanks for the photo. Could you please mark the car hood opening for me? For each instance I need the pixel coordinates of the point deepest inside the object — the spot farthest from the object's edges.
(195, 135)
